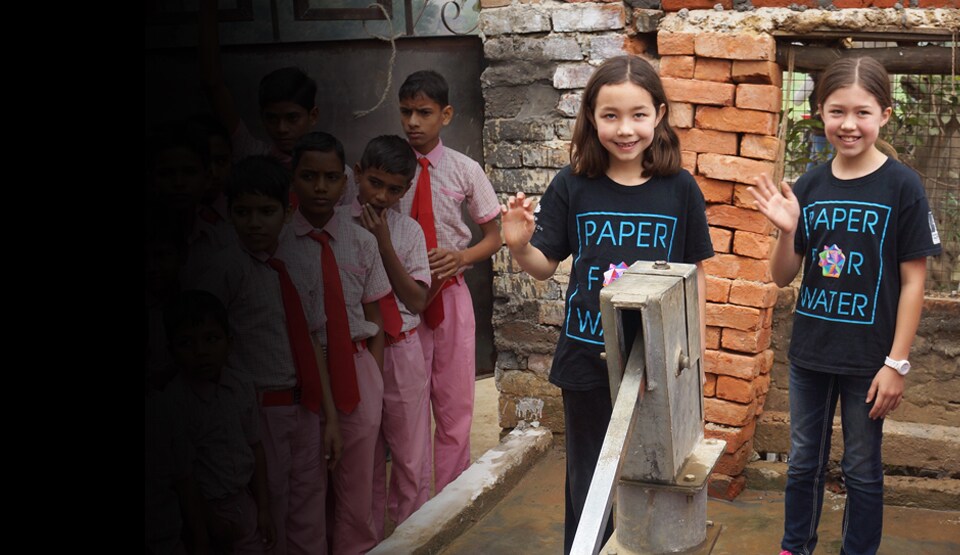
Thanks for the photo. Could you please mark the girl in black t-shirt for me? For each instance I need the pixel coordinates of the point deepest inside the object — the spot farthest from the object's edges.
(623, 198)
(861, 228)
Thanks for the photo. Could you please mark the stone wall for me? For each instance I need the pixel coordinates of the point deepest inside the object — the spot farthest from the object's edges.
(539, 56)
(720, 73)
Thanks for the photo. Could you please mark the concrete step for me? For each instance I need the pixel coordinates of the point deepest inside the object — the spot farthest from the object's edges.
(930, 447)
(941, 494)
(465, 500)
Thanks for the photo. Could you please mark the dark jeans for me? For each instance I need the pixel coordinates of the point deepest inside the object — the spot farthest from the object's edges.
(586, 415)
(813, 402)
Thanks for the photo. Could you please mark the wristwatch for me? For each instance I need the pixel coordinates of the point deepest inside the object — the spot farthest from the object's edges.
(901, 366)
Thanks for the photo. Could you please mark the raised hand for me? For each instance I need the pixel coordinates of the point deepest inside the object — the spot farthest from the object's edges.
(779, 205)
(517, 221)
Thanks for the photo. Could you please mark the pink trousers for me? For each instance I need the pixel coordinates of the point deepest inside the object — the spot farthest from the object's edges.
(405, 430)
(296, 478)
(450, 354)
(353, 528)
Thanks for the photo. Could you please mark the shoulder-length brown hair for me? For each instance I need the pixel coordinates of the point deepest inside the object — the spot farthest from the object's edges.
(588, 157)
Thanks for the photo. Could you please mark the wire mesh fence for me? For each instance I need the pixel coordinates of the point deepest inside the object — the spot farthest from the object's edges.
(923, 132)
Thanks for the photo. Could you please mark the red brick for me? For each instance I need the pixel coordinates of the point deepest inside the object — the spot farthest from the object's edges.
(763, 384)
(767, 363)
(742, 197)
(762, 73)
(754, 245)
(494, 3)
(675, 43)
(758, 97)
(698, 140)
(734, 389)
(718, 289)
(939, 4)
(733, 464)
(736, 120)
(688, 160)
(745, 341)
(766, 317)
(710, 386)
(637, 45)
(712, 341)
(752, 293)
(741, 366)
(738, 218)
(733, 168)
(677, 66)
(709, 69)
(761, 401)
(681, 115)
(676, 5)
(731, 316)
(721, 239)
(783, 3)
(733, 435)
(721, 486)
(727, 412)
(735, 47)
(699, 92)
(733, 266)
(714, 190)
(759, 146)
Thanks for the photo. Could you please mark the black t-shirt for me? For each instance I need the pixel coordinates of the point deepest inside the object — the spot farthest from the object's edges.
(853, 235)
(601, 222)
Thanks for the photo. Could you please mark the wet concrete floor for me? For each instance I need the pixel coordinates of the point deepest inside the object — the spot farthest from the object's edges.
(529, 520)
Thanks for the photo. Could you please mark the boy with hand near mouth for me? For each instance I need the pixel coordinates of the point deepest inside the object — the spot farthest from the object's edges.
(383, 175)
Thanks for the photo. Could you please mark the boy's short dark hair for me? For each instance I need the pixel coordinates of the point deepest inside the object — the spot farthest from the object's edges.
(259, 175)
(177, 134)
(318, 141)
(191, 308)
(288, 84)
(428, 83)
(391, 154)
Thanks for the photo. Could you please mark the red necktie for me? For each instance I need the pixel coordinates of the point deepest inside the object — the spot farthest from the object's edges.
(422, 211)
(392, 322)
(304, 355)
(343, 373)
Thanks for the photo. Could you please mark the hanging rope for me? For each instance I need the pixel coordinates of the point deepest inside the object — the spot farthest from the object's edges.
(393, 58)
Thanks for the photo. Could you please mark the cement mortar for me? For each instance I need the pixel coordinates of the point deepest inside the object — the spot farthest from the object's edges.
(784, 20)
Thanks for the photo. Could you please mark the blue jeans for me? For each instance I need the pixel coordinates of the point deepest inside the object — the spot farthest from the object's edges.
(813, 402)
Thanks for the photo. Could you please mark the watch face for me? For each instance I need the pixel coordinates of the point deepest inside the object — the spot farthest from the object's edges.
(904, 368)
